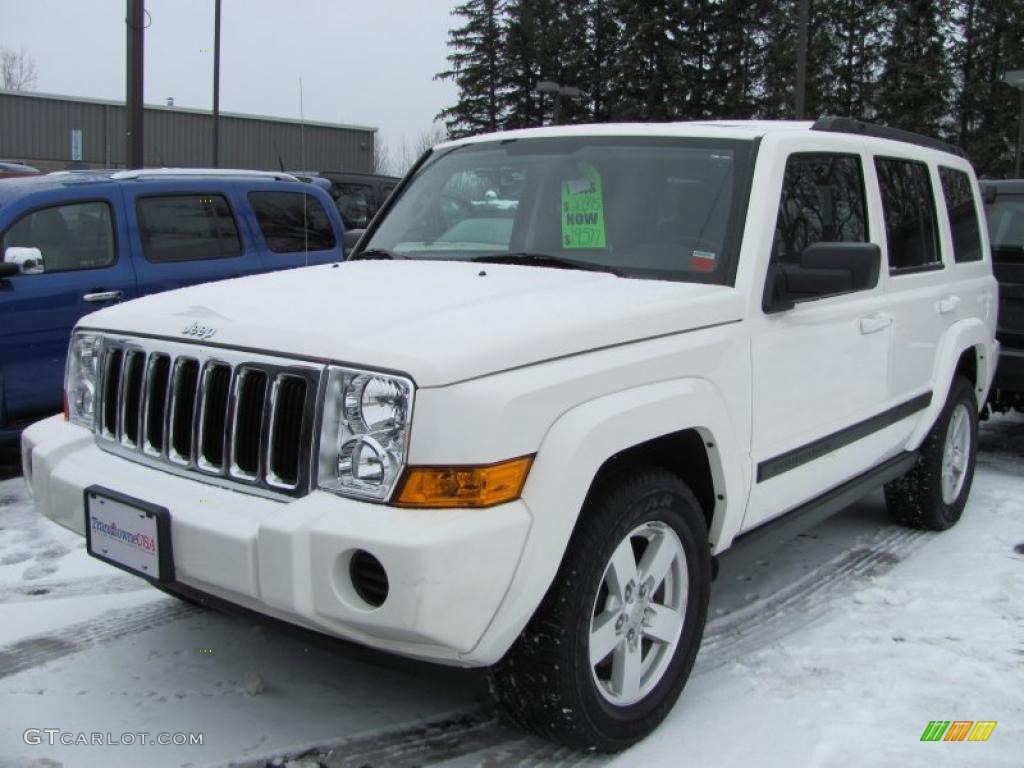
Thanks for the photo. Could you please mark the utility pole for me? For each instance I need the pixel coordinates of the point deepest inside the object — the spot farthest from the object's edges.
(216, 84)
(135, 23)
(801, 59)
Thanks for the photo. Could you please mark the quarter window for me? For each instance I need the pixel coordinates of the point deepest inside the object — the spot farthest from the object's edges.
(69, 237)
(187, 228)
(963, 214)
(292, 221)
(355, 204)
(822, 201)
(909, 209)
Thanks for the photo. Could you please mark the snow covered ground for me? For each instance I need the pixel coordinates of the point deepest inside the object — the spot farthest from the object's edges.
(835, 649)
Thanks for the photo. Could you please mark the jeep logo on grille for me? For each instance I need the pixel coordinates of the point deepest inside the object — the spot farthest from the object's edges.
(202, 332)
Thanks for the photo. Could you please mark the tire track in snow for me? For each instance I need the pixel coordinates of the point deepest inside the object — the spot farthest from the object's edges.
(41, 649)
(480, 738)
(798, 604)
(53, 590)
(473, 738)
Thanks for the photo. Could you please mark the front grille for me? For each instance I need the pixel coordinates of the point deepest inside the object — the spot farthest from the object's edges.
(226, 416)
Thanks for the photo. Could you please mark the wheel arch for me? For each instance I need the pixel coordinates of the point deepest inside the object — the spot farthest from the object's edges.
(645, 423)
(967, 350)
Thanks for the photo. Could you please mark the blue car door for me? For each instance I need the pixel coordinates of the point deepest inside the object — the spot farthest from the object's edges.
(295, 224)
(85, 266)
(186, 232)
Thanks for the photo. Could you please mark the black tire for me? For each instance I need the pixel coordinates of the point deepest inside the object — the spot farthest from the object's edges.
(916, 499)
(546, 683)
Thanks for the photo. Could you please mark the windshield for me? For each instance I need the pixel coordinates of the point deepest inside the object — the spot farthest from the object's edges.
(1006, 222)
(641, 207)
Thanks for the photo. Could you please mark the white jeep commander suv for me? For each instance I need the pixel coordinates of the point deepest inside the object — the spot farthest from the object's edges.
(563, 370)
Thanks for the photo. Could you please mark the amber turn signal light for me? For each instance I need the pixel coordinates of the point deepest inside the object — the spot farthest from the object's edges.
(439, 487)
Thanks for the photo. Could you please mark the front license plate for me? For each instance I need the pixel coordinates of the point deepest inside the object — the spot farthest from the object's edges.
(129, 533)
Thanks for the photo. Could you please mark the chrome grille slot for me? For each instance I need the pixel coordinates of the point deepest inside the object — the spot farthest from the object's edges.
(183, 404)
(229, 418)
(288, 398)
(155, 409)
(213, 416)
(250, 397)
(131, 396)
(111, 385)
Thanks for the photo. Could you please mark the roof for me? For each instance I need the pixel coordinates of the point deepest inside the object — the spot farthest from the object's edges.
(726, 129)
(1005, 186)
(11, 188)
(189, 110)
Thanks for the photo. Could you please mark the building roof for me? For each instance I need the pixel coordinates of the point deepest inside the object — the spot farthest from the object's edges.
(189, 110)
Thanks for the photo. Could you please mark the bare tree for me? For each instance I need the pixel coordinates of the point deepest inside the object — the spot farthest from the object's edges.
(17, 70)
(411, 151)
(382, 160)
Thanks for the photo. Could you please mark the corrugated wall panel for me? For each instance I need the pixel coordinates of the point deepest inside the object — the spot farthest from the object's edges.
(38, 128)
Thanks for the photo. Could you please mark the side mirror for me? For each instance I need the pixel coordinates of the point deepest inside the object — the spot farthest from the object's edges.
(351, 238)
(26, 261)
(825, 269)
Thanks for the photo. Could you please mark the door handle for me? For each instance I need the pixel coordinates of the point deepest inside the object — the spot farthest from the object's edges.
(947, 304)
(101, 296)
(875, 323)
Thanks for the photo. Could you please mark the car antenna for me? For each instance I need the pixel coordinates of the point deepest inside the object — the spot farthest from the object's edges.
(302, 161)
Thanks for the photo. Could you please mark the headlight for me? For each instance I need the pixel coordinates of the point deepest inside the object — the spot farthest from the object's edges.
(80, 378)
(364, 432)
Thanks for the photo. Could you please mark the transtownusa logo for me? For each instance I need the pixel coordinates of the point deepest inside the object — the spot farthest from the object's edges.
(54, 736)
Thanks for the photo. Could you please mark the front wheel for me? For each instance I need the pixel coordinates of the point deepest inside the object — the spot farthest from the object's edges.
(608, 652)
(932, 495)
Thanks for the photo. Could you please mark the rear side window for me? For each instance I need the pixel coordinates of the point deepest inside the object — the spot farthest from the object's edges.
(963, 214)
(909, 209)
(69, 237)
(187, 228)
(822, 201)
(292, 221)
(355, 204)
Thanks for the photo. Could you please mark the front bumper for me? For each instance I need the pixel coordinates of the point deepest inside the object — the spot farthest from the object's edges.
(448, 570)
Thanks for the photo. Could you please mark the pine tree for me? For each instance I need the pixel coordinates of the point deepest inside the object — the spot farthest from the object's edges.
(647, 75)
(475, 62)
(916, 81)
(989, 42)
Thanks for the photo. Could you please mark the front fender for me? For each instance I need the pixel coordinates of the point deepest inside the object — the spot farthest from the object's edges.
(572, 452)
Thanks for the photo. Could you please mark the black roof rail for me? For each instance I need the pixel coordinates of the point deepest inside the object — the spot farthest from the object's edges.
(850, 125)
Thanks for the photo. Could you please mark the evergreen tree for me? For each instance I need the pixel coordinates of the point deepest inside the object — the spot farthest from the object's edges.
(475, 67)
(603, 46)
(989, 42)
(646, 77)
(916, 80)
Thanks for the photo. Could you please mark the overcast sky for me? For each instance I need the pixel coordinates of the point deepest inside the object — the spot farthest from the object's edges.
(366, 62)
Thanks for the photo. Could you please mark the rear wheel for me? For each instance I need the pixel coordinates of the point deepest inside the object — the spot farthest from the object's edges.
(608, 652)
(933, 494)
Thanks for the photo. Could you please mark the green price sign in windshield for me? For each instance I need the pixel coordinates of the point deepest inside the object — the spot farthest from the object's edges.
(583, 211)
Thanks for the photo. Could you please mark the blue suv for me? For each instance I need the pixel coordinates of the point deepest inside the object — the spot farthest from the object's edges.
(73, 242)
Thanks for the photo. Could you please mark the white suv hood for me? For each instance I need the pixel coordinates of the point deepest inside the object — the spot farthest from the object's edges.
(440, 322)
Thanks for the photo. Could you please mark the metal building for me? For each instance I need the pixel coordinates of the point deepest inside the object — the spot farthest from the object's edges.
(53, 132)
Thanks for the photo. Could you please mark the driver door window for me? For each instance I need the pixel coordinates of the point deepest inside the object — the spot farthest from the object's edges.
(69, 237)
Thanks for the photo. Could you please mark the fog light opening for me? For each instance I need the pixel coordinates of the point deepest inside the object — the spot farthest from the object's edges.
(369, 579)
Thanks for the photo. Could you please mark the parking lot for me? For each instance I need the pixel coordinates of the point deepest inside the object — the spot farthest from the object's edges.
(846, 641)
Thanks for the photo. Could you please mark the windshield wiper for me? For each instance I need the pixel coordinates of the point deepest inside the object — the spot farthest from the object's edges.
(374, 253)
(544, 260)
